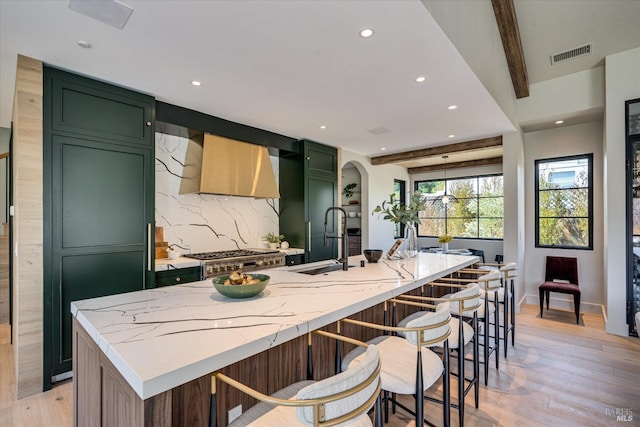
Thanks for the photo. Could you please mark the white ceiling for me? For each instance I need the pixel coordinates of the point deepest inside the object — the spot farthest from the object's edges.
(552, 26)
(289, 66)
(284, 66)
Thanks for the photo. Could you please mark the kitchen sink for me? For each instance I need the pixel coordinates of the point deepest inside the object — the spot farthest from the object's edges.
(322, 270)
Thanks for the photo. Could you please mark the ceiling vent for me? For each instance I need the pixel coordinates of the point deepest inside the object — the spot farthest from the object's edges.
(572, 53)
(110, 12)
(379, 130)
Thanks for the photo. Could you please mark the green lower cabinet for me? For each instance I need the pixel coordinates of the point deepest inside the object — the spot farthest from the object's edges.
(294, 259)
(177, 276)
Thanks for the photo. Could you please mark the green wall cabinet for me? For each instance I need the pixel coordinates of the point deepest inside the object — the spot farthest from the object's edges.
(308, 186)
(98, 197)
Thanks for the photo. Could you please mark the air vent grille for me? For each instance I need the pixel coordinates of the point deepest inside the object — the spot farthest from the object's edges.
(379, 130)
(571, 53)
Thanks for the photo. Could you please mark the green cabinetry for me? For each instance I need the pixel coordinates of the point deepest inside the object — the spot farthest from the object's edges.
(98, 200)
(308, 186)
(177, 276)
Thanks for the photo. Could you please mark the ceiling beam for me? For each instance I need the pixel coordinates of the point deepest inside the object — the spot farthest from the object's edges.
(459, 147)
(456, 165)
(505, 12)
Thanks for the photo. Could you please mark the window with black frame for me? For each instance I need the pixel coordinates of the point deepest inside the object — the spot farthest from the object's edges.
(564, 202)
(400, 194)
(477, 214)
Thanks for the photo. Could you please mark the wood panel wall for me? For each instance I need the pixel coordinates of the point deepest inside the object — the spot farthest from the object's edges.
(27, 227)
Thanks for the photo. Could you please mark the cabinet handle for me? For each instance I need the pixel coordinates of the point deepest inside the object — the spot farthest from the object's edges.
(177, 279)
(309, 234)
(149, 246)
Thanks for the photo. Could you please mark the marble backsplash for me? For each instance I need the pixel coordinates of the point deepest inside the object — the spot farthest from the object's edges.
(195, 222)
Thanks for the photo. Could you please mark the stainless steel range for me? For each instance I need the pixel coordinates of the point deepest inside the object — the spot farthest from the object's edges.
(223, 262)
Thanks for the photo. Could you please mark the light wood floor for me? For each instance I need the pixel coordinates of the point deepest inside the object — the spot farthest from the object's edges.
(558, 374)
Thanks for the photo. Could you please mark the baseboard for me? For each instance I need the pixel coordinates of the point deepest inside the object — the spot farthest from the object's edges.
(559, 303)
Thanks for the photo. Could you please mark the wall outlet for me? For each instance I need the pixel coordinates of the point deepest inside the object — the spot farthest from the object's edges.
(234, 413)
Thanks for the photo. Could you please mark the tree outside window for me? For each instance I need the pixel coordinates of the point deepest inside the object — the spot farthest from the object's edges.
(564, 202)
(479, 213)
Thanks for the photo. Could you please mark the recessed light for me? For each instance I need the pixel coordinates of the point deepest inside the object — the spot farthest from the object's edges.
(559, 122)
(196, 83)
(383, 148)
(323, 127)
(366, 33)
(421, 79)
(452, 136)
(83, 44)
(452, 107)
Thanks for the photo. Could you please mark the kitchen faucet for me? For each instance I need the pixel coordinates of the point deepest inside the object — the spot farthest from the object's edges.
(344, 237)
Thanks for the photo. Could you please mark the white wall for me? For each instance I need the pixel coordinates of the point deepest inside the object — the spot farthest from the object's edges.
(563, 98)
(377, 185)
(622, 82)
(513, 173)
(565, 141)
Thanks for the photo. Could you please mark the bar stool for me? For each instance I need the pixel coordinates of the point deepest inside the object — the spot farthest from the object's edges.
(506, 297)
(489, 283)
(509, 273)
(466, 300)
(343, 399)
(408, 367)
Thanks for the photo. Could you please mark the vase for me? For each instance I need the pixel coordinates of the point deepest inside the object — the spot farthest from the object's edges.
(410, 240)
(273, 245)
(445, 248)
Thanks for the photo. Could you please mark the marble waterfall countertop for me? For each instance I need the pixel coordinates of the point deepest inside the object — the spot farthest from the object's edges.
(161, 338)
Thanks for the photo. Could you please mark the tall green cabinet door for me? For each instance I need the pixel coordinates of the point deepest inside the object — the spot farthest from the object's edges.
(99, 200)
(308, 187)
(321, 194)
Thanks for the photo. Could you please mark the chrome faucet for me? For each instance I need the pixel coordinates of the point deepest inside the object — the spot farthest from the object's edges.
(344, 237)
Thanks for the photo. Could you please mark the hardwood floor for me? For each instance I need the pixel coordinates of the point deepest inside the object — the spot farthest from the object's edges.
(50, 409)
(558, 374)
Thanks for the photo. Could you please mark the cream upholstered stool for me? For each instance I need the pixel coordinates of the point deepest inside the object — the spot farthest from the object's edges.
(509, 273)
(343, 399)
(638, 323)
(466, 300)
(408, 367)
(506, 297)
(489, 284)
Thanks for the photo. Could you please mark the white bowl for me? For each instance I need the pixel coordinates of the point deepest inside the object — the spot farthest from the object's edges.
(352, 214)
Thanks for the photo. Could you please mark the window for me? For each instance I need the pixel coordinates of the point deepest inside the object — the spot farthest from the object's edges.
(478, 214)
(564, 202)
(399, 194)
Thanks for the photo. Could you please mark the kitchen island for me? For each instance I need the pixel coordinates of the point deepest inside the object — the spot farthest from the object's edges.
(143, 358)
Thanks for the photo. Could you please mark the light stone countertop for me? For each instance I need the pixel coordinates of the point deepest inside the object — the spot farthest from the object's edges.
(161, 338)
(292, 251)
(163, 264)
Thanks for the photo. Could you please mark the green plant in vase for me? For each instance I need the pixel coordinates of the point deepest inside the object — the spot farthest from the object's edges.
(404, 213)
(273, 239)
